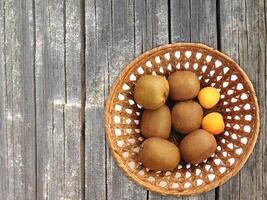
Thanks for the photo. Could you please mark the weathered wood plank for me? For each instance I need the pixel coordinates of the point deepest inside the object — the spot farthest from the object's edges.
(120, 53)
(73, 187)
(151, 25)
(243, 37)
(17, 101)
(140, 22)
(203, 22)
(58, 89)
(3, 98)
(180, 21)
(157, 22)
(263, 105)
(73, 51)
(57, 180)
(73, 119)
(50, 99)
(193, 21)
(97, 17)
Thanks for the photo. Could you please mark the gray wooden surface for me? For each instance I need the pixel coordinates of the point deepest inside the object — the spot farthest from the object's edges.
(58, 60)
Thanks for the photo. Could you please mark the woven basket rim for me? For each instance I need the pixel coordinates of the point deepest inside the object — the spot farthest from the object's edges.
(192, 192)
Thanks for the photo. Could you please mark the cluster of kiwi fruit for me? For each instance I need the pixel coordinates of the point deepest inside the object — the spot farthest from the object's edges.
(158, 120)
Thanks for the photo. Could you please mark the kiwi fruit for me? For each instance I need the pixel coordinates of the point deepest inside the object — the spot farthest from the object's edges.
(159, 154)
(186, 116)
(197, 146)
(156, 123)
(151, 91)
(184, 85)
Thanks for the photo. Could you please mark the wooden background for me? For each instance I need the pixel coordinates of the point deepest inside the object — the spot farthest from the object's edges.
(58, 60)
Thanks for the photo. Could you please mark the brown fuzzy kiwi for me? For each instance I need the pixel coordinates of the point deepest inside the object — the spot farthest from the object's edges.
(159, 154)
(184, 85)
(151, 91)
(186, 116)
(197, 146)
(156, 123)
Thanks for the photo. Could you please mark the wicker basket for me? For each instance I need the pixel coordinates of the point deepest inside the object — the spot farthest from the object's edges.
(238, 104)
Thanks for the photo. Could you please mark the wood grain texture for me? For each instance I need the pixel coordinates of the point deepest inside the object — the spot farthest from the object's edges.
(193, 21)
(157, 22)
(97, 19)
(243, 37)
(50, 87)
(58, 95)
(150, 25)
(72, 171)
(73, 118)
(73, 123)
(3, 98)
(180, 16)
(263, 105)
(17, 104)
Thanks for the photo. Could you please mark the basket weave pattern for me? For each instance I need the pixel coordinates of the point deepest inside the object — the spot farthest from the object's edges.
(238, 105)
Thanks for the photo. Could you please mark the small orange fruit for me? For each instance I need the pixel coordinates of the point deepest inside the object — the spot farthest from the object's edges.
(208, 97)
(213, 123)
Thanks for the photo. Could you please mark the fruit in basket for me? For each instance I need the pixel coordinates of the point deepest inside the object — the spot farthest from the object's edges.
(151, 91)
(213, 122)
(186, 116)
(156, 123)
(208, 97)
(184, 85)
(159, 154)
(197, 146)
